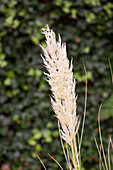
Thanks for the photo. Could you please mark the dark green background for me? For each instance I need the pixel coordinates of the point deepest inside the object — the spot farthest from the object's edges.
(27, 123)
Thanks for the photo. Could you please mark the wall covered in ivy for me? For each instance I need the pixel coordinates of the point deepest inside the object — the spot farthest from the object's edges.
(27, 123)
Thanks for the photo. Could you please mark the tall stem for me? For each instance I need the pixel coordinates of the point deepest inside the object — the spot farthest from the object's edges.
(74, 157)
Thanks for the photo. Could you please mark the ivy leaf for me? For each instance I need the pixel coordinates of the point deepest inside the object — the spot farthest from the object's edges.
(32, 141)
(7, 82)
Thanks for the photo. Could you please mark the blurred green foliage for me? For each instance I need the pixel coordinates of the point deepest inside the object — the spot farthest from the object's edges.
(27, 124)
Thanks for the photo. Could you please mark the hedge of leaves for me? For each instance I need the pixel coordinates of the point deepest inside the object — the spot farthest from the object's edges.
(27, 123)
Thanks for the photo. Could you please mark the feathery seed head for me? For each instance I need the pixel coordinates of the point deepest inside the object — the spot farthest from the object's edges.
(62, 82)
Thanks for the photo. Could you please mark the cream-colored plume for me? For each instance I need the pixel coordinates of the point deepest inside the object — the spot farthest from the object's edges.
(62, 82)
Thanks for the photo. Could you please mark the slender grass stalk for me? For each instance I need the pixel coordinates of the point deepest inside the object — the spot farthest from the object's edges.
(99, 152)
(41, 162)
(73, 153)
(80, 142)
(111, 142)
(66, 155)
(111, 70)
(101, 138)
(109, 165)
(56, 161)
(100, 166)
(68, 151)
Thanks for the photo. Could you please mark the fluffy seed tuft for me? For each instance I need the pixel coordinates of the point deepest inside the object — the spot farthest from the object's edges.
(60, 78)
